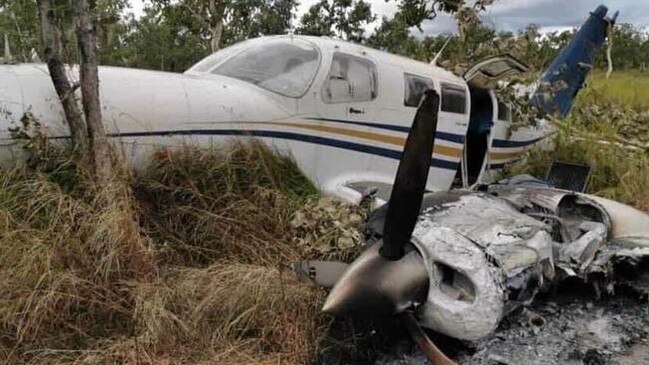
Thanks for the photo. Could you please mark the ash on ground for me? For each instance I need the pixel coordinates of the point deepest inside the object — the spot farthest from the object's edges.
(568, 327)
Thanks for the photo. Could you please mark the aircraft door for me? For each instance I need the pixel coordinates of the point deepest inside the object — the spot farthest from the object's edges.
(496, 114)
(478, 136)
(482, 78)
(487, 73)
(344, 148)
(352, 84)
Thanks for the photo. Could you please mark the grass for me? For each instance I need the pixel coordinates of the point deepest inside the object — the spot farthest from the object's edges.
(610, 117)
(630, 88)
(191, 268)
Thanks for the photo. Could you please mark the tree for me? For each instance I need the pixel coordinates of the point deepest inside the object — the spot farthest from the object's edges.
(222, 21)
(629, 49)
(20, 23)
(415, 12)
(90, 143)
(53, 55)
(99, 146)
(253, 18)
(166, 39)
(343, 18)
(393, 35)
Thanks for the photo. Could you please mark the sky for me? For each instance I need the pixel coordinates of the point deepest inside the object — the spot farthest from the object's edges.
(511, 15)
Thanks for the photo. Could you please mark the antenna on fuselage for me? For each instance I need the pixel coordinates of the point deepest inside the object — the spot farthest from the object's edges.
(439, 54)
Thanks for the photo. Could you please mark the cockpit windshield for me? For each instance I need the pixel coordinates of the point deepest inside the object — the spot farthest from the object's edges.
(208, 63)
(285, 66)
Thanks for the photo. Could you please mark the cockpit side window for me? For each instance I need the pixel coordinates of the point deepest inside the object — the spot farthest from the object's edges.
(415, 87)
(350, 79)
(283, 66)
(453, 99)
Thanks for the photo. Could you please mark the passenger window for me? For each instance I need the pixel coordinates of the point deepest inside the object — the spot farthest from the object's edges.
(453, 99)
(350, 78)
(415, 86)
(504, 113)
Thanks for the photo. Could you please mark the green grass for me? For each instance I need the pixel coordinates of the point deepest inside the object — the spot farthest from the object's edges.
(630, 88)
(608, 115)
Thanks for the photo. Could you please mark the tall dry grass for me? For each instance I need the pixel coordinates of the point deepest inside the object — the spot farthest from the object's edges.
(199, 202)
(189, 268)
(64, 264)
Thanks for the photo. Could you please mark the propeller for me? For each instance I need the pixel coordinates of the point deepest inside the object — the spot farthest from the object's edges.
(410, 182)
(390, 276)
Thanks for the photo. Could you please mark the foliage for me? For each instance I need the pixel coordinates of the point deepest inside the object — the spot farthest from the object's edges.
(19, 21)
(609, 131)
(343, 18)
(329, 229)
(174, 35)
(169, 41)
(629, 49)
(415, 12)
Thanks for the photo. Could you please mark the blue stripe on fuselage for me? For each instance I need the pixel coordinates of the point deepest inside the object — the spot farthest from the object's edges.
(373, 150)
(451, 137)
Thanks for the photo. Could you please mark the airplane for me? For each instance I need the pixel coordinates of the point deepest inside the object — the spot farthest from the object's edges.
(461, 258)
(459, 261)
(341, 110)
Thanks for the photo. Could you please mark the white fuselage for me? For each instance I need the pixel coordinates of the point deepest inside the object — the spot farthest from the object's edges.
(343, 134)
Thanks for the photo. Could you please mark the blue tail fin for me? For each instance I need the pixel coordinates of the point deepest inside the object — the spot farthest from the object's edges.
(566, 75)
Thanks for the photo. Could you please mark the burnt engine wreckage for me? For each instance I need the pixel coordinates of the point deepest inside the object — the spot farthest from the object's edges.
(458, 262)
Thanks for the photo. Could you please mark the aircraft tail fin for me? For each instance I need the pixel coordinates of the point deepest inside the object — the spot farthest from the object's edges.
(566, 75)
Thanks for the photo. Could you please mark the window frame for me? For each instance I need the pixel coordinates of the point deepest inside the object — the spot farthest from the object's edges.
(363, 60)
(406, 85)
(262, 42)
(206, 65)
(455, 87)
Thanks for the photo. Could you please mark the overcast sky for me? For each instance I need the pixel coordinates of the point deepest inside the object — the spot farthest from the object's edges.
(514, 15)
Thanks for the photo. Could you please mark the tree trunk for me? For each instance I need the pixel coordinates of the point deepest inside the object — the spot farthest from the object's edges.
(52, 44)
(216, 13)
(217, 33)
(101, 149)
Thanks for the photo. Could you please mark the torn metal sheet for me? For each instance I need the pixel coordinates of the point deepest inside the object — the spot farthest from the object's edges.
(488, 253)
(481, 254)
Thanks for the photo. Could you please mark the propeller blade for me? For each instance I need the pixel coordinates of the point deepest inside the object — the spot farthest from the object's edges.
(410, 181)
(375, 285)
(389, 277)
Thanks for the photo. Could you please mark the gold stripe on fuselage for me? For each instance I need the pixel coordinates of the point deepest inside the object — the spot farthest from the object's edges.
(447, 151)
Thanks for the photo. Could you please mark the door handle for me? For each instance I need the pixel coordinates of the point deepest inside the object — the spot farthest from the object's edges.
(353, 110)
